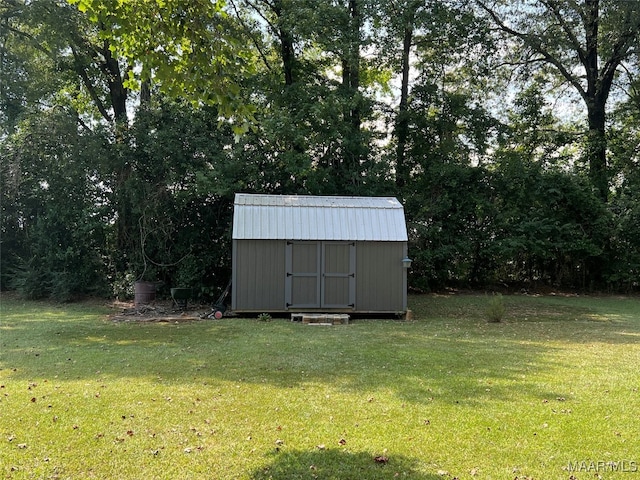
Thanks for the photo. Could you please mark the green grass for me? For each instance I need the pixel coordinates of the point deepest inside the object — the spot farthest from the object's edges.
(447, 395)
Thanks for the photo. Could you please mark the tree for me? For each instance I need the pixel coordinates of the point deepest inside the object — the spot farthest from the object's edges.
(491, 192)
(64, 87)
(179, 196)
(189, 49)
(405, 14)
(338, 30)
(312, 133)
(53, 223)
(52, 41)
(624, 145)
(586, 44)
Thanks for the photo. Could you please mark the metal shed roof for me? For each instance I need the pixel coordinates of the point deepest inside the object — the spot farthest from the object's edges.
(302, 217)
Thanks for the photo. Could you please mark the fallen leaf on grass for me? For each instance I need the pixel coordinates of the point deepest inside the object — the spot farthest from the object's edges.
(342, 441)
(381, 459)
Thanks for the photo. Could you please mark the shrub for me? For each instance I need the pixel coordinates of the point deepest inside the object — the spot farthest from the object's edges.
(495, 309)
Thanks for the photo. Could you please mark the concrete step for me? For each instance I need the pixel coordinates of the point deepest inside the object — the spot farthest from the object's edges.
(321, 318)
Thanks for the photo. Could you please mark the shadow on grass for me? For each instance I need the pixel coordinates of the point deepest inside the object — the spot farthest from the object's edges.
(338, 465)
(419, 366)
(450, 360)
(532, 309)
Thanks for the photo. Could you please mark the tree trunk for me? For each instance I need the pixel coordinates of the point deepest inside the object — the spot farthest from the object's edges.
(145, 93)
(596, 149)
(286, 46)
(288, 57)
(595, 98)
(402, 121)
(353, 148)
(117, 91)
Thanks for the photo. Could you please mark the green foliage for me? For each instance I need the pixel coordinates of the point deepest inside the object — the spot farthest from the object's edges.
(28, 278)
(51, 222)
(30, 69)
(550, 225)
(100, 185)
(623, 270)
(495, 308)
(123, 286)
(177, 196)
(189, 49)
(450, 217)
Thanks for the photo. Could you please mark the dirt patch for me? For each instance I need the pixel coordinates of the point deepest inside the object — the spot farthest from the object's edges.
(158, 311)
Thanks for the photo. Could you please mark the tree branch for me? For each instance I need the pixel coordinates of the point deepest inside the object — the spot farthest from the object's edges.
(80, 70)
(32, 40)
(534, 42)
(551, 5)
(621, 50)
(253, 39)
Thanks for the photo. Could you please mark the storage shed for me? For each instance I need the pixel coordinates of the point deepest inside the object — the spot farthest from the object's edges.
(319, 254)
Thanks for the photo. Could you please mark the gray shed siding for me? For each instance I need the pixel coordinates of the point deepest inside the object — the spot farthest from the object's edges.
(260, 277)
(381, 280)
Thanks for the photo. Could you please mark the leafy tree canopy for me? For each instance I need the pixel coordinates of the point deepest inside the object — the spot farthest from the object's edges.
(190, 49)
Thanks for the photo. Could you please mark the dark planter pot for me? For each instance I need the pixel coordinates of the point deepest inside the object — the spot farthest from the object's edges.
(145, 292)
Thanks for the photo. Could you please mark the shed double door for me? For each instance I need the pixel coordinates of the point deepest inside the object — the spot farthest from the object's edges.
(320, 275)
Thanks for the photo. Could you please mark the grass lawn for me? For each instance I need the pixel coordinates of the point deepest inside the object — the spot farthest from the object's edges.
(551, 392)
